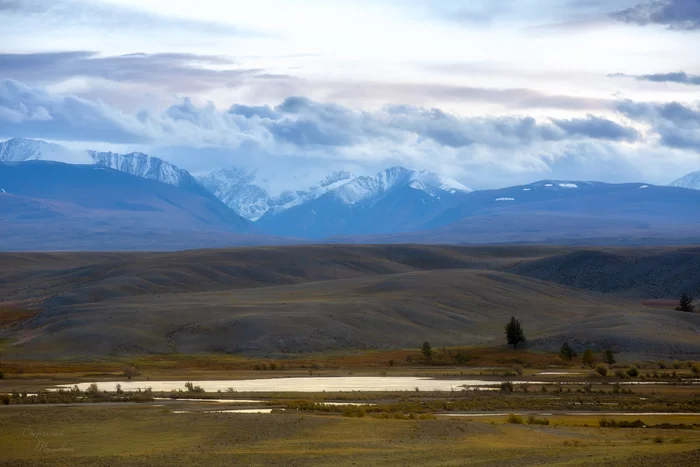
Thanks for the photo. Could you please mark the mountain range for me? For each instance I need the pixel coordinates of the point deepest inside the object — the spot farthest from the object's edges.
(105, 200)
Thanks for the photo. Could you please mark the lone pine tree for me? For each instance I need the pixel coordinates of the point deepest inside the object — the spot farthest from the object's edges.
(514, 332)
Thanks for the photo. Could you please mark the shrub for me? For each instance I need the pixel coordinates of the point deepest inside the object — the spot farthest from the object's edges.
(658, 440)
(696, 369)
(515, 419)
(588, 358)
(192, 388)
(676, 364)
(518, 369)
(427, 350)
(605, 423)
(531, 420)
(93, 389)
(567, 353)
(131, 371)
(119, 389)
(507, 386)
(609, 357)
(662, 364)
(620, 373)
(632, 371)
(602, 369)
(2, 375)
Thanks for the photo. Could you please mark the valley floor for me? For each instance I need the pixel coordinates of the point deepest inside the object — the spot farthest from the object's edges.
(139, 436)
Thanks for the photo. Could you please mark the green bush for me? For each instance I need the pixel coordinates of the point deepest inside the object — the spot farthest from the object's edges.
(633, 371)
(507, 386)
(515, 419)
(531, 420)
(518, 369)
(606, 423)
(192, 388)
(696, 369)
(601, 369)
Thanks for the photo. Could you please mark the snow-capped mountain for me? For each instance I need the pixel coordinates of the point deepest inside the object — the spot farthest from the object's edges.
(144, 166)
(368, 188)
(138, 164)
(691, 180)
(242, 190)
(394, 200)
(23, 149)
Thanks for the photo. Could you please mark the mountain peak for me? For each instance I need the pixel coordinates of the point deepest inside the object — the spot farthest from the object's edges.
(691, 180)
(25, 149)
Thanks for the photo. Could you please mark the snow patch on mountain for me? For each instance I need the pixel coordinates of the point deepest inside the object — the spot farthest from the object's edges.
(691, 181)
(365, 188)
(249, 193)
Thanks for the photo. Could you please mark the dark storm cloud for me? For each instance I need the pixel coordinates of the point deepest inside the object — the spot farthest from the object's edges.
(674, 14)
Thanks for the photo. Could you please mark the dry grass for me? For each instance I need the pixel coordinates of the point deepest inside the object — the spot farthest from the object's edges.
(152, 436)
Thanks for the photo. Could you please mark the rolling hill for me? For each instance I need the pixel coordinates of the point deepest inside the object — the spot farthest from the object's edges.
(320, 298)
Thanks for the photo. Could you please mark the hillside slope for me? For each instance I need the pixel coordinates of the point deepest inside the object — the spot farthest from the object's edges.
(319, 298)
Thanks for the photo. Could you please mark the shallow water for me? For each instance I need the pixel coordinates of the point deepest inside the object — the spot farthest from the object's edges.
(319, 384)
(333, 384)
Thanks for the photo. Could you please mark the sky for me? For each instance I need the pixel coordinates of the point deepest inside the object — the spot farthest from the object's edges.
(489, 92)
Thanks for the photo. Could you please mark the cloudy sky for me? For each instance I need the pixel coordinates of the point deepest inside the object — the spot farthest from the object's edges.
(489, 92)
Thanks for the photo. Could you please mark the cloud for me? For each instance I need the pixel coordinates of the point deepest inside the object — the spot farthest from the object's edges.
(178, 72)
(674, 14)
(675, 77)
(112, 16)
(677, 125)
(300, 132)
(31, 112)
(598, 128)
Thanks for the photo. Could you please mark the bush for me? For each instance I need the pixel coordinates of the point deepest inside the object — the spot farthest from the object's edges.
(518, 369)
(531, 420)
(620, 373)
(696, 369)
(2, 375)
(567, 353)
(605, 423)
(192, 388)
(676, 364)
(602, 369)
(609, 357)
(507, 386)
(515, 419)
(588, 358)
(662, 365)
(632, 371)
(93, 389)
(131, 371)
(119, 389)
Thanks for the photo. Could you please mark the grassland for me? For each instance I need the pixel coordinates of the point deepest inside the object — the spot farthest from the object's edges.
(157, 436)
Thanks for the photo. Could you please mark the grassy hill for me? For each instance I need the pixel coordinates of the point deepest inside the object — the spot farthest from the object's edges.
(280, 300)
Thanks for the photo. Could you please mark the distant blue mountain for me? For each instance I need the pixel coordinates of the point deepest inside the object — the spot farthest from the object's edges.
(549, 211)
(84, 206)
(395, 200)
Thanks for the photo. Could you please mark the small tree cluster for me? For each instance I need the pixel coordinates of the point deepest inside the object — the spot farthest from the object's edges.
(567, 353)
(686, 304)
